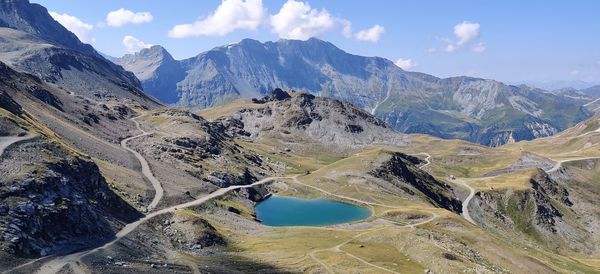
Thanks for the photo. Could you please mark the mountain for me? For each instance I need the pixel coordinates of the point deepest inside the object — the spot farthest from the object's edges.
(31, 41)
(593, 92)
(477, 110)
(157, 70)
(106, 181)
(297, 115)
(553, 85)
(34, 19)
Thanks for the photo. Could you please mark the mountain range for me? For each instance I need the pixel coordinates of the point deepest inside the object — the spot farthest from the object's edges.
(96, 176)
(478, 110)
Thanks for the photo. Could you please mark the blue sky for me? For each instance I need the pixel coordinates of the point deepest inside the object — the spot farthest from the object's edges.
(511, 41)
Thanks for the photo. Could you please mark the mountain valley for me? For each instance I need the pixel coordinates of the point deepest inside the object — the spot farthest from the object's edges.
(105, 173)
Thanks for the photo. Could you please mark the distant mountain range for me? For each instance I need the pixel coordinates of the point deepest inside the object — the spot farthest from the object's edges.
(554, 85)
(477, 110)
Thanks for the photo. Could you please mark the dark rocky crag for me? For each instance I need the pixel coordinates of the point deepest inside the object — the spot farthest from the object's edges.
(544, 213)
(55, 201)
(401, 170)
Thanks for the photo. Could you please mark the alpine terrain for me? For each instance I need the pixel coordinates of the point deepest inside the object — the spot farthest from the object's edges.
(160, 165)
(477, 110)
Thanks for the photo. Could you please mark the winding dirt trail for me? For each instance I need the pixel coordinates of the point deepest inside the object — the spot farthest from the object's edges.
(427, 159)
(158, 189)
(338, 248)
(57, 263)
(296, 181)
(465, 203)
(559, 163)
(8, 141)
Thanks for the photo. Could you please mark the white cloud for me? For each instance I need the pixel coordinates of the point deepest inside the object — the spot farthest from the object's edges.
(405, 64)
(133, 44)
(347, 29)
(574, 72)
(121, 17)
(466, 32)
(372, 34)
(478, 48)
(297, 20)
(294, 20)
(231, 15)
(82, 30)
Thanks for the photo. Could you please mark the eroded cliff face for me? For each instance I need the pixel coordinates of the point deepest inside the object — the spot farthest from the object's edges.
(543, 213)
(401, 170)
(55, 201)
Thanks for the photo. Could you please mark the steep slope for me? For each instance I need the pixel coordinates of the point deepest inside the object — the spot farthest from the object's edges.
(54, 199)
(460, 107)
(34, 19)
(33, 42)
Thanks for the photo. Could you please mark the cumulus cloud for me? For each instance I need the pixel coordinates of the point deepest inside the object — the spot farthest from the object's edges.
(405, 64)
(229, 16)
(371, 35)
(82, 30)
(465, 33)
(121, 17)
(294, 20)
(297, 20)
(133, 44)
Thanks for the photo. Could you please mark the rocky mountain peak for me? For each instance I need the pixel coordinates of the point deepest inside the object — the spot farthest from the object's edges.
(34, 19)
(155, 52)
(275, 95)
(145, 62)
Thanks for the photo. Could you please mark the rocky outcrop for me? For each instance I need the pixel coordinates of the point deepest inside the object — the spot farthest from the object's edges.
(207, 150)
(7, 103)
(401, 171)
(56, 206)
(544, 213)
(189, 232)
(297, 115)
(276, 95)
(226, 179)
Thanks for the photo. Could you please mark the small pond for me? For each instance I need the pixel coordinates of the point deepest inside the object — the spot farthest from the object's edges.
(289, 211)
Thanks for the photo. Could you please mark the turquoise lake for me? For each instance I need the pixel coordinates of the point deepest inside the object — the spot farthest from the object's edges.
(289, 211)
